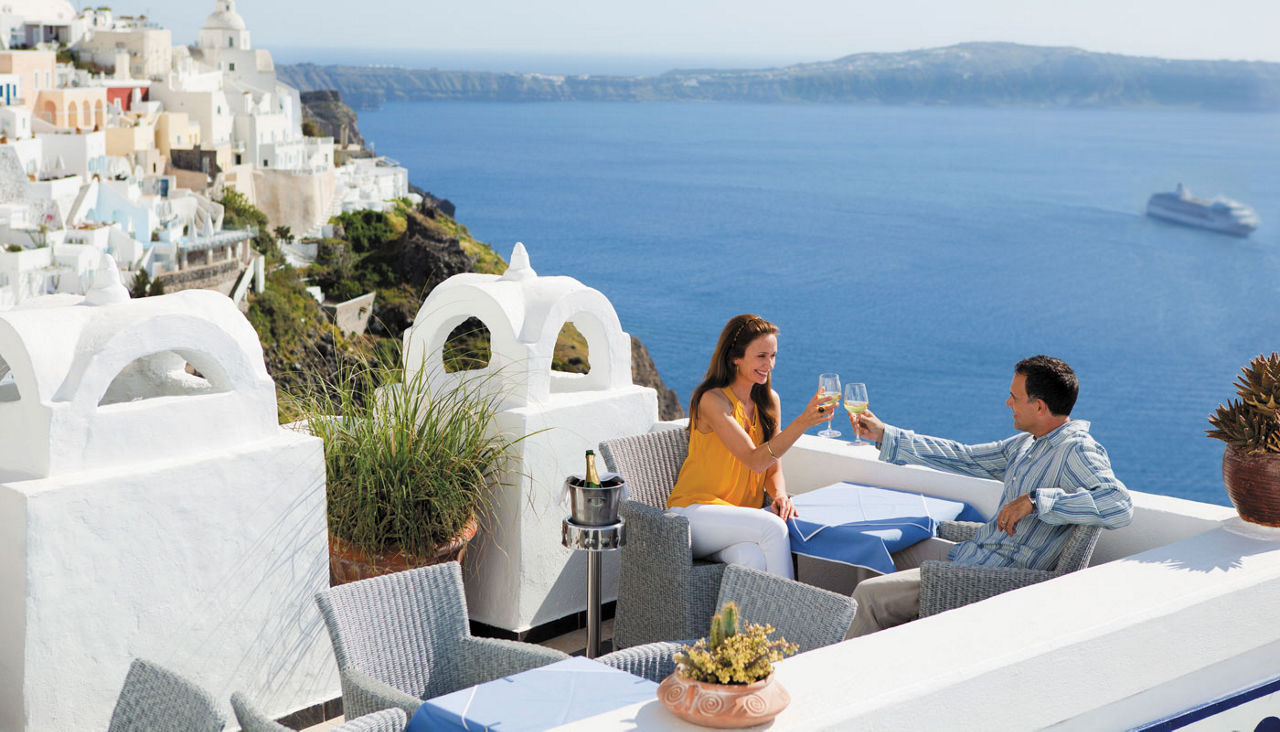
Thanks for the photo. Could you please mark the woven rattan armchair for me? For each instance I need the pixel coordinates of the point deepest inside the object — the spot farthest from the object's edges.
(805, 615)
(252, 720)
(155, 699)
(945, 585)
(404, 637)
(663, 592)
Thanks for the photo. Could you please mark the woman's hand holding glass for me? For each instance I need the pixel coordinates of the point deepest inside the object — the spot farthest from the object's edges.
(819, 409)
(829, 386)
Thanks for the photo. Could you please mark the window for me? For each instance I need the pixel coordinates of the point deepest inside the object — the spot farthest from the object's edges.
(231, 66)
(231, 41)
(265, 164)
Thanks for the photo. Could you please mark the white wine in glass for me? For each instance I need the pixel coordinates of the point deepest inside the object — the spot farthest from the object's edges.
(829, 387)
(855, 401)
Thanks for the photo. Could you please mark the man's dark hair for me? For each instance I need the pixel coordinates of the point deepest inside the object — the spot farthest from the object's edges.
(1052, 380)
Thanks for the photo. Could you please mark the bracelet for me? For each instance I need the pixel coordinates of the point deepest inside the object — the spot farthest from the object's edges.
(769, 447)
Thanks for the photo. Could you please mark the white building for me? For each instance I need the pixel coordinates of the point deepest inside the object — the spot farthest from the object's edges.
(147, 48)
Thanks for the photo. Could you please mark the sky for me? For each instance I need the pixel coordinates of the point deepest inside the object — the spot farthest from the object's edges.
(724, 33)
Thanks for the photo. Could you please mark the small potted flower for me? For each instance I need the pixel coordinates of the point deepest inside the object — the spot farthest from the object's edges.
(726, 680)
(1250, 426)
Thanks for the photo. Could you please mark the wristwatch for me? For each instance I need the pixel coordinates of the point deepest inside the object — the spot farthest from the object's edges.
(1032, 495)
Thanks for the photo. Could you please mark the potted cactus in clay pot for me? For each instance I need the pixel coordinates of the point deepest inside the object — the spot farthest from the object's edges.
(1250, 425)
(726, 679)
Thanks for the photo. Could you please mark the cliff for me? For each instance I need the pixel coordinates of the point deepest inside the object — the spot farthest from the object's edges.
(986, 74)
(327, 111)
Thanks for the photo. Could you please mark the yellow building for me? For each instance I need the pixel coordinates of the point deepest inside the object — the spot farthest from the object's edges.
(131, 138)
(176, 130)
(77, 108)
(34, 70)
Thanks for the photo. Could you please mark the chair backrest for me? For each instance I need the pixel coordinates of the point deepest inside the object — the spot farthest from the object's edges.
(252, 720)
(393, 627)
(155, 699)
(649, 463)
(1078, 549)
(805, 615)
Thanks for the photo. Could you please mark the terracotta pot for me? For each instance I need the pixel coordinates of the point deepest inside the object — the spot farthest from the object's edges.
(723, 706)
(1253, 483)
(349, 564)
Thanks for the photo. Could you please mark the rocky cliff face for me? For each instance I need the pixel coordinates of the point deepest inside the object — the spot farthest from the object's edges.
(325, 108)
(645, 373)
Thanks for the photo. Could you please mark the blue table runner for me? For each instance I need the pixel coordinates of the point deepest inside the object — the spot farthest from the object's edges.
(863, 525)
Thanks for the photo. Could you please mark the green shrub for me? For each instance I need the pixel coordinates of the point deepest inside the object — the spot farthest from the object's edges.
(366, 230)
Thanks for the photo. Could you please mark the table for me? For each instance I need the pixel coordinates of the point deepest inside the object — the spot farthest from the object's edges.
(537, 699)
(863, 525)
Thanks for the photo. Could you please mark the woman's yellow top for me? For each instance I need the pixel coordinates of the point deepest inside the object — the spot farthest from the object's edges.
(711, 474)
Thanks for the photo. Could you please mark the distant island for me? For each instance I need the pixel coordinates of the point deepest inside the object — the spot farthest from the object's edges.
(970, 74)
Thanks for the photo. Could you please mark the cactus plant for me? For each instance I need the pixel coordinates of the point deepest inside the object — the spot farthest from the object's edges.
(1251, 423)
(730, 654)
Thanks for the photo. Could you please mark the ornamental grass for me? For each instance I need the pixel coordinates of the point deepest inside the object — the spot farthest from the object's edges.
(408, 464)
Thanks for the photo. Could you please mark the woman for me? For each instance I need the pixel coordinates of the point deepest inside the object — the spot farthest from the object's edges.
(734, 449)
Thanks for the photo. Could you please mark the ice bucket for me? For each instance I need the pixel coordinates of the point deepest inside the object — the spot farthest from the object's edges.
(595, 506)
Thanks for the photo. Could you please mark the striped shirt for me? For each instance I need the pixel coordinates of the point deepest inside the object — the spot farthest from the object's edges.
(1068, 468)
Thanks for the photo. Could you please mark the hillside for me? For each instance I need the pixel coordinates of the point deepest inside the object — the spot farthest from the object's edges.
(985, 74)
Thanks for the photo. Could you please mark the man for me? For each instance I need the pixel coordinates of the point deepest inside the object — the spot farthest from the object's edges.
(1055, 475)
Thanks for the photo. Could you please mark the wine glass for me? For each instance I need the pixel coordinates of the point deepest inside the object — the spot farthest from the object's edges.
(855, 401)
(829, 387)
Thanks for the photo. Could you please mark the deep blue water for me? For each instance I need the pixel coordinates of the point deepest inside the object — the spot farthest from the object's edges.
(921, 250)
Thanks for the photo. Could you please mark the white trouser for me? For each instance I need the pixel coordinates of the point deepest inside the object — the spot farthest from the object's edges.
(735, 535)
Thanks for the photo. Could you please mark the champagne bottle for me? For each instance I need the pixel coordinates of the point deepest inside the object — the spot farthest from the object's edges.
(593, 478)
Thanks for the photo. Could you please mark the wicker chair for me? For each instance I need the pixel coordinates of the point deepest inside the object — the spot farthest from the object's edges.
(663, 592)
(807, 616)
(404, 637)
(945, 585)
(157, 700)
(252, 720)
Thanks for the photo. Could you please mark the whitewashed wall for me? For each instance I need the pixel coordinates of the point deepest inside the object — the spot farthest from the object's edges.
(183, 526)
(517, 573)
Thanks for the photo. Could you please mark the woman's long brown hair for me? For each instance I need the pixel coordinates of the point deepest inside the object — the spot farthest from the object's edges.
(737, 334)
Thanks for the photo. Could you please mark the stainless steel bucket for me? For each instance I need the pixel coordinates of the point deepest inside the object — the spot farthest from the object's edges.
(595, 506)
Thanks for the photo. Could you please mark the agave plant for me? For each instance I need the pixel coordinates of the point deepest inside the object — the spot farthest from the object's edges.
(731, 655)
(1250, 424)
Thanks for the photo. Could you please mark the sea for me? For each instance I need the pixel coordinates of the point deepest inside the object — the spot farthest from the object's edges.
(922, 250)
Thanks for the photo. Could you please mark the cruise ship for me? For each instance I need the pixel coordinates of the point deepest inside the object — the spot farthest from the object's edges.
(1220, 214)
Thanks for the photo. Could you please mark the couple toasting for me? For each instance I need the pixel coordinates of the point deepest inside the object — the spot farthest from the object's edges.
(1054, 473)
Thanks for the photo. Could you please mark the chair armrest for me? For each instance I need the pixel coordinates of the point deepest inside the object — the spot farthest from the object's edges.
(958, 530)
(947, 585)
(362, 694)
(654, 577)
(652, 661)
(477, 660)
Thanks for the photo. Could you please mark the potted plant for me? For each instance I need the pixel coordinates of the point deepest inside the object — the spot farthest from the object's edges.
(409, 466)
(726, 680)
(1250, 425)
